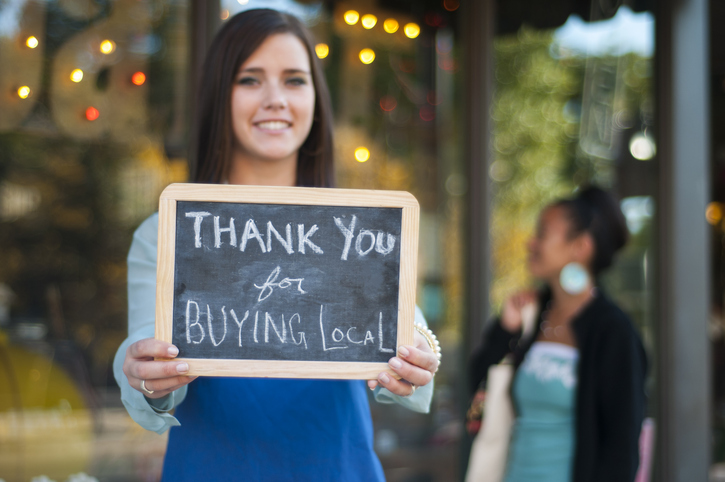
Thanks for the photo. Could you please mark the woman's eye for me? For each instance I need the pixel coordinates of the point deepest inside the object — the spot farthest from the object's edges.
(247, 81)
(296, 81)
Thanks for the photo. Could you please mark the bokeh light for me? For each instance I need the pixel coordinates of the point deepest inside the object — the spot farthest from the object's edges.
(351, 17)
(388, 103)
(32, 42)
(322, 50)
(447, 63)
(224, 14)
(641, 147)
(108, 46)
(427, 113)
(243, 2)
(138, 78)
(714, 212)
(451, 5)
(367, 56)
(433, 19)
(76, 75)
(412, 30)
(92, 113)
(368, 21)
(391, 25)
(432, 98)
(362, 154)
(444, 45)
(24, 92)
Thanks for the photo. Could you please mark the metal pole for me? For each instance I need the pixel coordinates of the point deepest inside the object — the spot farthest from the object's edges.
(683, 361)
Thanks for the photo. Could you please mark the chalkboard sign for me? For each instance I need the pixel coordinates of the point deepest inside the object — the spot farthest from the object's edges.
(285, 281)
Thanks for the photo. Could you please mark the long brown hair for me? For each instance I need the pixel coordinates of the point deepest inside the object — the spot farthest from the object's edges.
(237, 40)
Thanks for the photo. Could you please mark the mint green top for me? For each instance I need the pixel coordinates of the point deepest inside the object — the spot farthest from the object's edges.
(542, 443)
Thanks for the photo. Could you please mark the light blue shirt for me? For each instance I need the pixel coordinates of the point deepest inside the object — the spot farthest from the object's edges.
(141, 324)
(542, 443)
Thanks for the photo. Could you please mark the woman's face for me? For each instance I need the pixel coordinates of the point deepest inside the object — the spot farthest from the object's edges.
(553, 247)
(273, 102)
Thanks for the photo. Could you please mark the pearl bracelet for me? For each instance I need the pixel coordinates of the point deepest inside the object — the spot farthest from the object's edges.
(430, 338)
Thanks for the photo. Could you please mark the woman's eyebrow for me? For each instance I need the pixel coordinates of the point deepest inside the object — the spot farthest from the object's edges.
(260, 70)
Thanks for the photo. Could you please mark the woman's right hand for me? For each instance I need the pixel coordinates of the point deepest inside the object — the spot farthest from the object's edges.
(514, 310)
(160, 377)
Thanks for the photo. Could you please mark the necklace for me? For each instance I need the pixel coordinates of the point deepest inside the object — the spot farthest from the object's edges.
(547, 328)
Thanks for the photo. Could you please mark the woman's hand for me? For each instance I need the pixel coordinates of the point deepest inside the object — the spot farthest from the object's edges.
(515, 308)
(415, 364)
(160, 377)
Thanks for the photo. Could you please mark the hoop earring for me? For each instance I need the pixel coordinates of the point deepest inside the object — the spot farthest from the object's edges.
(574, 278)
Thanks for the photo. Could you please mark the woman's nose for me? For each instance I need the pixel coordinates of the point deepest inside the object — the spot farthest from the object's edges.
(274, 98)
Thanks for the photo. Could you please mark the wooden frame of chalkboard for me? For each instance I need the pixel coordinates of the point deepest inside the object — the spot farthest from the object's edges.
(357, 334)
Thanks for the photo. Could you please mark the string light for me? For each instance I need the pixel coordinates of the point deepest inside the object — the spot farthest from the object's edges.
(322, 50)
(391, 25)
(362, 154)
(108, 46)
(412, 30)
(714, 213)
(24, 92)
(92, 114)
(388, 103)
(76, 76)
(368, 21)
(32, 42)
(641, 147)
(367, 56)
(351, 17)
(432, 98)
(427, 113)
(138, 78)
(451, 5)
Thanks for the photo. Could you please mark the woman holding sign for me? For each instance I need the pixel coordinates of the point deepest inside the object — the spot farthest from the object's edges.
(264, 119)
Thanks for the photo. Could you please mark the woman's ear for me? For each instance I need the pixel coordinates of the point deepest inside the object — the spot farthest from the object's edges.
(584, 248)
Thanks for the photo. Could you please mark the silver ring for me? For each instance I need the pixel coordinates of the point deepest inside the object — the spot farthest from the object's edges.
(412, 391)
(150, 392)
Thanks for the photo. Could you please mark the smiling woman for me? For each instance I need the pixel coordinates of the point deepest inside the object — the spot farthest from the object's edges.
(273, 102)
(264, 66)
(264, 119)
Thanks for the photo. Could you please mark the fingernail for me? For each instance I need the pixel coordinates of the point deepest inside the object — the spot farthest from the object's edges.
(182, 367)
(384, 378)
(173, 351)
(395, 363)
(402, 351)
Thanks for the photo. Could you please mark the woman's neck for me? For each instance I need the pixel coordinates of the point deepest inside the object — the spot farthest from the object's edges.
(259, 172)
(568, 305)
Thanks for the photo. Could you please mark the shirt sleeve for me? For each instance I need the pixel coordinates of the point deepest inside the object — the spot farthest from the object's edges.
(420, 400)
(141, 324)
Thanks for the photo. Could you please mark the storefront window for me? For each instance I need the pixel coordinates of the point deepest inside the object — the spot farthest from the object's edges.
(94, 116)
(574, 106)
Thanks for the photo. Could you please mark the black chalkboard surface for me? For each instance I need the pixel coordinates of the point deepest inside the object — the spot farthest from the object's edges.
(286, 282)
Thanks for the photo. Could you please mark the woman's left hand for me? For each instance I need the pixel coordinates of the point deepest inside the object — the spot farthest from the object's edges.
(416, 366)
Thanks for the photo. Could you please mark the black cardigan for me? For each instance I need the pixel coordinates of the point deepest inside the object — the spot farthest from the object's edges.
(610, 397)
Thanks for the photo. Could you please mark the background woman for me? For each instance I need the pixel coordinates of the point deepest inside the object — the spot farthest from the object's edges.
(578, 389)
(264, 118)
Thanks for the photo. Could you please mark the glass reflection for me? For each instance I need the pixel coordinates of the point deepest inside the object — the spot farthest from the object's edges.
(84, 153)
